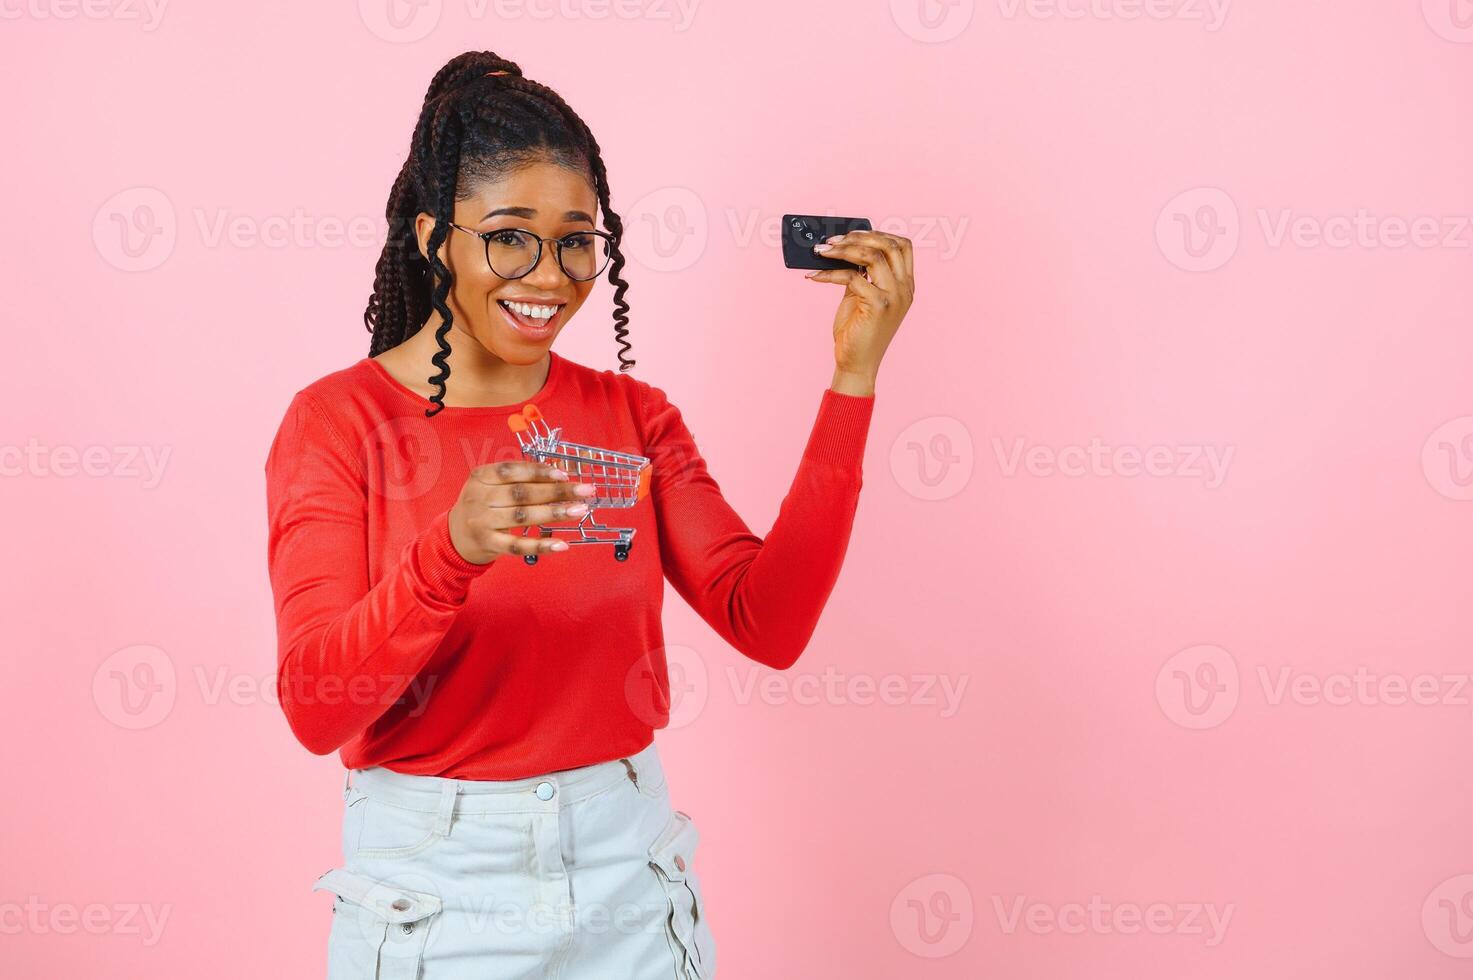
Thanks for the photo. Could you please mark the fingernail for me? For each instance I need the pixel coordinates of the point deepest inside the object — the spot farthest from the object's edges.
(558, 474)
(810, 275)
(833, 238)
(560, 546)
(578, 509)
(585, 490)
(822, 247)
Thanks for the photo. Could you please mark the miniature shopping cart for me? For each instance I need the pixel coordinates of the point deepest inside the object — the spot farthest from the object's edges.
(619, 479)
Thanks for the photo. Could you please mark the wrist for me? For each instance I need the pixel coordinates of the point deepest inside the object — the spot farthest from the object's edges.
(858, 383)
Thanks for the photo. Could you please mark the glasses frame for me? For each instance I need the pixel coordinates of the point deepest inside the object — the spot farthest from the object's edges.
(557, 252)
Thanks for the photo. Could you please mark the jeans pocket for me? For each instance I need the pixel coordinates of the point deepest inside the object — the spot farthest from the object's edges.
(387, 831)
(672, 857)
(379, 930)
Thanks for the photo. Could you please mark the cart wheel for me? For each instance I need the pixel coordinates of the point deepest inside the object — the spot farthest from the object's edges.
(530, 559)
(621, 552)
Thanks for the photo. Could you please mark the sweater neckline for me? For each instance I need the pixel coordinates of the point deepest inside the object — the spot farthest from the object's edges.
(555, 371)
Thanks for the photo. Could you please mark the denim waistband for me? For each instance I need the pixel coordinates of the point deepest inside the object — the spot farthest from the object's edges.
(548, 792)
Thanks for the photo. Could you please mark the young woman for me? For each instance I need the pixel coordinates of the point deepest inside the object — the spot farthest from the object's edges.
(506, 814)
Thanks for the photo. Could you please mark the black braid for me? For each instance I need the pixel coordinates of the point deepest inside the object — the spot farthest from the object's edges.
(447, 138)
(472, 128)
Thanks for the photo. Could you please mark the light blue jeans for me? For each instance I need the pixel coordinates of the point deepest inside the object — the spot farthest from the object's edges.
(584, 874)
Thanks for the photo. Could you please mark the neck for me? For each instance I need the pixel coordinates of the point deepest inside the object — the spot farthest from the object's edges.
(477, 376)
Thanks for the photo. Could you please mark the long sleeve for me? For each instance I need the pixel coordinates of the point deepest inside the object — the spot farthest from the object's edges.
(346, 651)
(764, 596)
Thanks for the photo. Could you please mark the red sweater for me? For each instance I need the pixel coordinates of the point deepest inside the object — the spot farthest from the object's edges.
(396, 651)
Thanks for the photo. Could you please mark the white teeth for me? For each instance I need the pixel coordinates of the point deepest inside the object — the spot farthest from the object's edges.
(530, 311)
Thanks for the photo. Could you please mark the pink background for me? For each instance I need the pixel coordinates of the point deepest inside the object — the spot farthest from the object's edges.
(1180, 689)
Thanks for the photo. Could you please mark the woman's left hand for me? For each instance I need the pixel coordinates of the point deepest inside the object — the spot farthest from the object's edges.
(875, 301)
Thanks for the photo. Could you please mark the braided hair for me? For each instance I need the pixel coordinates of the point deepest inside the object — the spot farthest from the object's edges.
(474, 126)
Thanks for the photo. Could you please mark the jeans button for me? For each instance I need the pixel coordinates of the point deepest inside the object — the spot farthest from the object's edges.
(545, 791)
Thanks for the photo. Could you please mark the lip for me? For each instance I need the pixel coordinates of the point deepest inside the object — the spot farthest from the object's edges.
(532, 333)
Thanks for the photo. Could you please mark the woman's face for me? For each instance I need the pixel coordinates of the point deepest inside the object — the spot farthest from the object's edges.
(545, 199)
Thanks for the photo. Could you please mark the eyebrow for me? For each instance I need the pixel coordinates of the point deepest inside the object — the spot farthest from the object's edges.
(520, 212)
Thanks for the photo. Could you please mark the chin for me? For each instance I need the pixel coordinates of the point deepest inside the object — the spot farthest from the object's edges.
(513, 348)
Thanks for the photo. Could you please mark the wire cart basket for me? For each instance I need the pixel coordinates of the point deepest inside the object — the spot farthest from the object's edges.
(620, 480)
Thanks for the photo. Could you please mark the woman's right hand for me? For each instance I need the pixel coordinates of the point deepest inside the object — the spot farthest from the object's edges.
(514, 493)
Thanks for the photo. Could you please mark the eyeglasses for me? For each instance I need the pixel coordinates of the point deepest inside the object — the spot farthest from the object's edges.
(511, 253)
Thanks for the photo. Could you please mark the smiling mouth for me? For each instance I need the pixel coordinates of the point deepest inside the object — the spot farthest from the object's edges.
(535, 320)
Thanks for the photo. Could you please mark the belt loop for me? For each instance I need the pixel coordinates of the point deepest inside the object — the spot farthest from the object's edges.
(448, 791)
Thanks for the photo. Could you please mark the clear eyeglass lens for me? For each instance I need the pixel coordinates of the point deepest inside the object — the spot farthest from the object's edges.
(512, 253)
(583, 256)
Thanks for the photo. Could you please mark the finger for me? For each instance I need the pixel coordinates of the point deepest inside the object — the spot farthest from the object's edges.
(530, 515)
(854, 280)
(875, 261)
(895, 247)
(900, 251)
(477, 494)
(508, 494)
(519, 471)
(523, 544)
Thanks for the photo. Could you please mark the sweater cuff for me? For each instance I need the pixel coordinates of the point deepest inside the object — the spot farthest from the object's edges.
(839, 434)
(444, 570)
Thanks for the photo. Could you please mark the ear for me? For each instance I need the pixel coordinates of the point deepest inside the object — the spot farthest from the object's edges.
(424, 226)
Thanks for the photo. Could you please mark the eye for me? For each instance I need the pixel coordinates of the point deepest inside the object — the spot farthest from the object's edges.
(578, 241)
(509, 237)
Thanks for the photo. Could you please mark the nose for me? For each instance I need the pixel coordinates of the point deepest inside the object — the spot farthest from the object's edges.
(547, 274)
